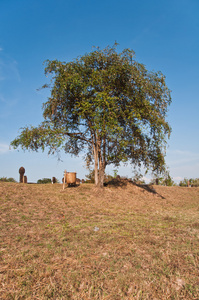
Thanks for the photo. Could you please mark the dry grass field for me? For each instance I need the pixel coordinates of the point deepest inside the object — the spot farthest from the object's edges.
(125, 242)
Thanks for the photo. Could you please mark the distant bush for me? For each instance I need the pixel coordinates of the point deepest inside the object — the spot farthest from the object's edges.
(44, 181)
(165, 180)
(5, 179)
(194, 182)
(138, 178)
(90, 178)
(184, 182)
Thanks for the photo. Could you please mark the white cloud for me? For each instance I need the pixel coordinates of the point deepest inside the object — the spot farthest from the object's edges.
(4, 148)
(177, 179)
(146, 179)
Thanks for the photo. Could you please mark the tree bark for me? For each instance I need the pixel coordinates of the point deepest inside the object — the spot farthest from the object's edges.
(101, 170)
(99, 161)
(96, 164)
(96, 172)
(101, 177)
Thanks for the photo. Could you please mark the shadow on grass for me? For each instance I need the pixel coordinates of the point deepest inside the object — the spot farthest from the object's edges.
(124, 182)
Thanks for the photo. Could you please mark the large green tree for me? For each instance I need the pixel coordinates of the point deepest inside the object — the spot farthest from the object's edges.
(107, 105)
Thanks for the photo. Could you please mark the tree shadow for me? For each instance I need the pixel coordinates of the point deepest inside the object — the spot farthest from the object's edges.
(124, 182)
(116, 183)
(150, 189)
(72, 185)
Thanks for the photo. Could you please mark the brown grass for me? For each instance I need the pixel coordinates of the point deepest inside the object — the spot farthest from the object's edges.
(124, 242)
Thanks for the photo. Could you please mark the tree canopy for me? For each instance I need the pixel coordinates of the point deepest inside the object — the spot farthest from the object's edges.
(107, 105)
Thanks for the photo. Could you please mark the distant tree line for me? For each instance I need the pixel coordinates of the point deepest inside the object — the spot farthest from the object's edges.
(5, 179)
(46, 180)
(194, 182)
(138, 178)
(165, 180)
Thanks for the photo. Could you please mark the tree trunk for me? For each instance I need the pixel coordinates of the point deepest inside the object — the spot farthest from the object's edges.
(99, 164)
(101, 171)
(101, 177)
(96, 173)
(96, 166)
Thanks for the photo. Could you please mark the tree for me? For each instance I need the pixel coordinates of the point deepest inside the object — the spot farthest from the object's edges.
(5, 179)
(165, 179)
(108, 105)
(194, 182)
(44, 181)
(90, 178)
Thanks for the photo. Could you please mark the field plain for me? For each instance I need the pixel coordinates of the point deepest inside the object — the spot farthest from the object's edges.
(124, 242)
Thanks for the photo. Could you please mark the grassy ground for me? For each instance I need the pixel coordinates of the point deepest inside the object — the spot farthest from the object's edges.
(125, 242)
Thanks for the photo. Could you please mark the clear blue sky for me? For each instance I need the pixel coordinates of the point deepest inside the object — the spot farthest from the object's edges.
(164, 35)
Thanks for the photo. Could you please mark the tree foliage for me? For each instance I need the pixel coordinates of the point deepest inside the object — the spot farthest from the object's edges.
(44, 181)
(165, 179)
(193, 182)
(108, 105)
(5, 179)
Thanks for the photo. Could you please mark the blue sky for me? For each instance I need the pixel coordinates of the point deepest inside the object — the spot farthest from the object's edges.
(164, 35)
